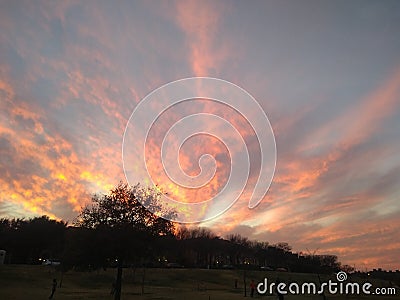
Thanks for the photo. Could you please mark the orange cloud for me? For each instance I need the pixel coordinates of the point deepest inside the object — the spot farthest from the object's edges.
(200, 23)
(51, 169)
(49, 172)
(306, 190)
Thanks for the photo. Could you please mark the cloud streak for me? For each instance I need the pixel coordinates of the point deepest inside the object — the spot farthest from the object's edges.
(71, 74)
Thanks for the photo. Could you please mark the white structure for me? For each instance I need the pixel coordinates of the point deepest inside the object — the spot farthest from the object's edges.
(2, 256)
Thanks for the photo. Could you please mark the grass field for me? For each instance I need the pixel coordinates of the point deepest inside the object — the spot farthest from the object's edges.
(34, 282)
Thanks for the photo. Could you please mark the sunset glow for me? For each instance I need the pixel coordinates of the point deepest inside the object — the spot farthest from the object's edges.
(327, 75)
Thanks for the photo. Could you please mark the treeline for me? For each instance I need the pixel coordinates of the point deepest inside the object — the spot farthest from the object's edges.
(93, 247)
(25, 241)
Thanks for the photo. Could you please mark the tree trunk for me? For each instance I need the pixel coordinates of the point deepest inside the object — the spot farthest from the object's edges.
(144, 273)
(244, 283)
(118, 283)
(320, 283)
(61, 280)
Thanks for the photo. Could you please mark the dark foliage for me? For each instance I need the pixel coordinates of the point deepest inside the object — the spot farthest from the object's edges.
(117, 230)
(27, 241)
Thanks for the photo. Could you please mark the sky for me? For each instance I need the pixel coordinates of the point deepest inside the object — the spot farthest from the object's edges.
(326, 73)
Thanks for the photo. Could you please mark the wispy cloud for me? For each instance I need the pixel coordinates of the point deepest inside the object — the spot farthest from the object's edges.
(201, 24)
(71, 73)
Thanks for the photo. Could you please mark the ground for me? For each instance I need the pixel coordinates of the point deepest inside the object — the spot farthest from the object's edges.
(34, 282)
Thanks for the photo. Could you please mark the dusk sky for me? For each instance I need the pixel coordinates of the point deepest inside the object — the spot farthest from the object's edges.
(326, 73)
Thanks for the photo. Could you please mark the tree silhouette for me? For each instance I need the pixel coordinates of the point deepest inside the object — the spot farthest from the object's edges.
(125, 226)
(28, 240)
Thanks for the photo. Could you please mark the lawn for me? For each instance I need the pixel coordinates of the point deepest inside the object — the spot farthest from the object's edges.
(34, 282)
